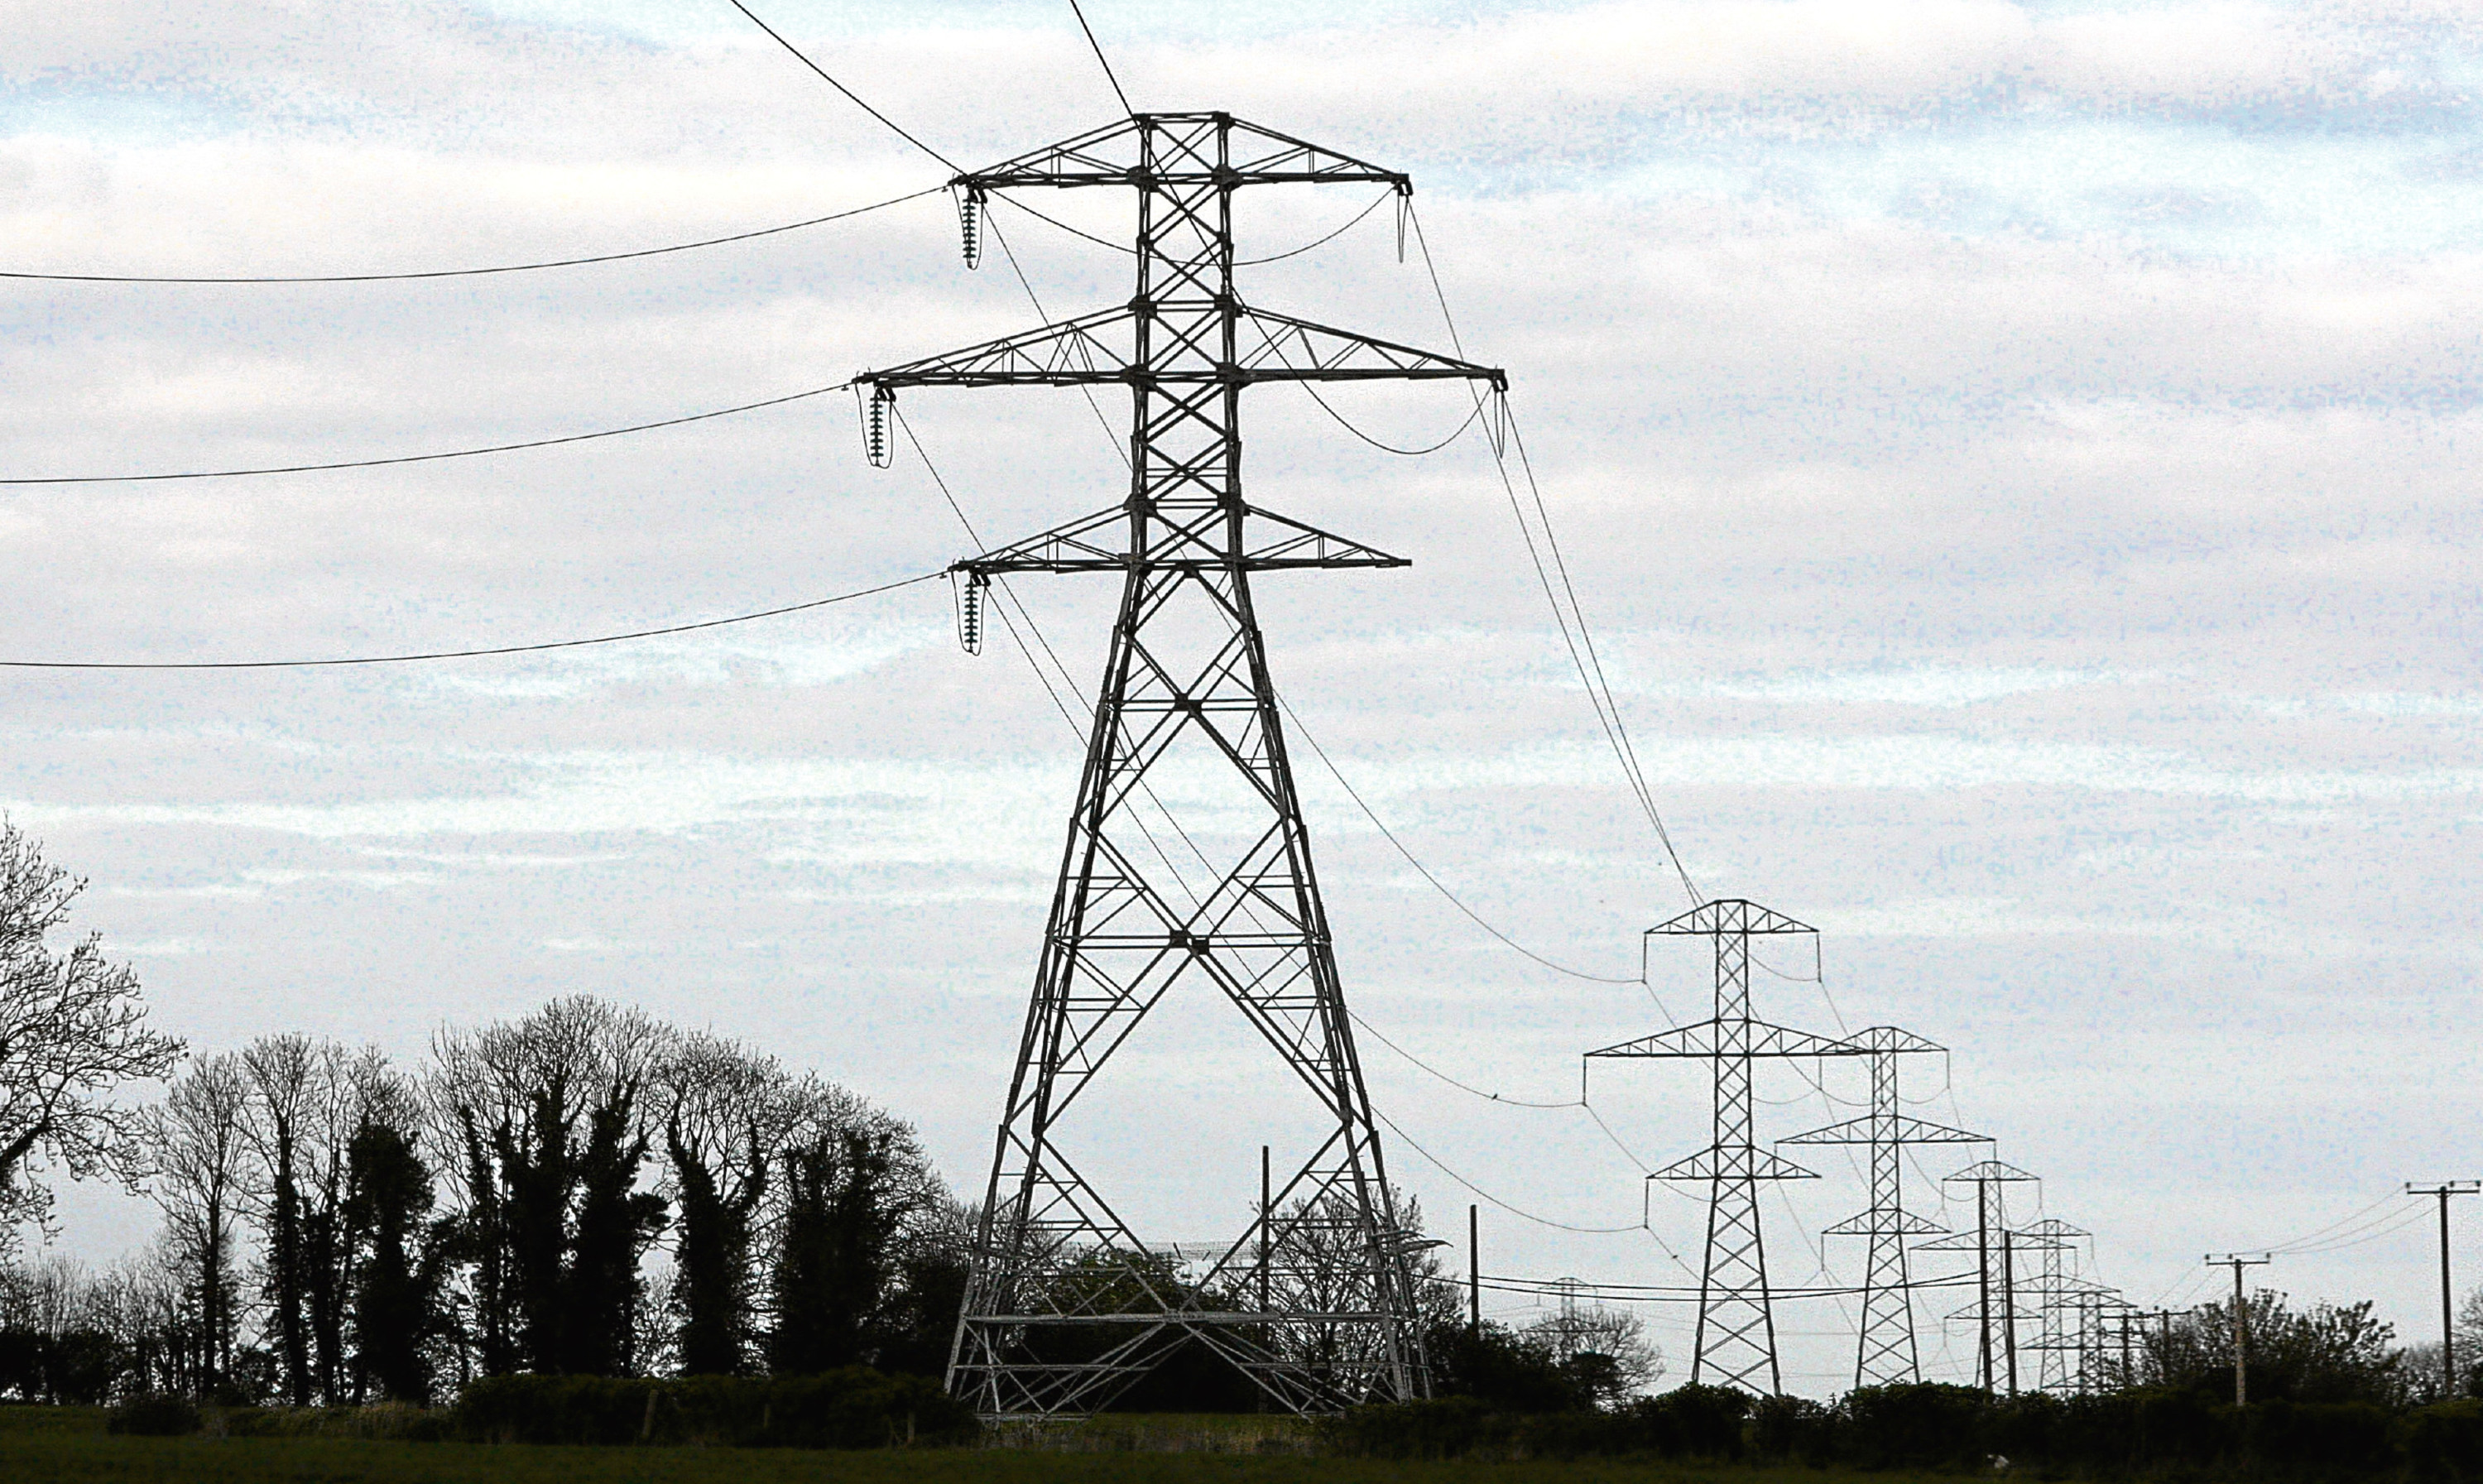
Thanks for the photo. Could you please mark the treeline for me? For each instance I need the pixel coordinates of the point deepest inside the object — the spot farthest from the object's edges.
(2331, 1394)
(581, 1192)
(2138, 1431)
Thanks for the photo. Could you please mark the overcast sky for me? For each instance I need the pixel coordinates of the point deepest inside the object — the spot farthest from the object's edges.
(2015, 457)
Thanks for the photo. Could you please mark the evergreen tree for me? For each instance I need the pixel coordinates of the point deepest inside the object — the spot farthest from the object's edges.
(712, 1286)
(479, 1240)
(841, 1218)
(600, 1292)
(537, 1174)
(395, 1288)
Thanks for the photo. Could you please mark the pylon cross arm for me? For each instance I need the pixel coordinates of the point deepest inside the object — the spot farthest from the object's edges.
(1099, 348)
(1100, 542)
(1302, 350)
(1722, 1038)
(1732, 916)
(1732, 1164)
(1900, 1130)
(1189, 152)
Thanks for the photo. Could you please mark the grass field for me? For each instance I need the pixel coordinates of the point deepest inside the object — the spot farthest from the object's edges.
(39, 1444)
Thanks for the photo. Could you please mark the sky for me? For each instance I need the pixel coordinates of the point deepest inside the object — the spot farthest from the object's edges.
(2012, 456)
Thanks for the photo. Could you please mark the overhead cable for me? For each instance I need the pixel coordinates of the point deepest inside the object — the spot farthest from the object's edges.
(1320, 242)
(436, 654)
(2336, 1228)
(1487, 1196)
(1080, 12)
(1390, 448)
(1463, 1087)
(898, 129)
(1581, 645)
(1586, 638)
(1423, 871)
(1045, 315)
(469, 273)
(1632, 1292)
(1044, 677)
(893, 126)
(453, 452)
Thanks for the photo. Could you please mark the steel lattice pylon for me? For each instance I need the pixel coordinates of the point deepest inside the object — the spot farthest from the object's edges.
(1885, 1352)
(2052, 1341)
(1066, 1305)
(1736, 1341)
(1994, 1246)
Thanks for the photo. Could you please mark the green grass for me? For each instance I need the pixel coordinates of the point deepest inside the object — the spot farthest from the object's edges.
(42, 1444)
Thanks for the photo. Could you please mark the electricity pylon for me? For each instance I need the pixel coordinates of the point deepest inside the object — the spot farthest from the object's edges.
(1066, 1306)
(1736, 1341)
(2053, 1344)
(1991, 1178)
(1884, 1352)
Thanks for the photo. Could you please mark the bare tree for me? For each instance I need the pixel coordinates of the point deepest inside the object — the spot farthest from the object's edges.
(725, 1111)
(283, 1084)
(72, 1032)
(542, 1120)
(199, 1158)
(308, 1100)
(1605, 1350)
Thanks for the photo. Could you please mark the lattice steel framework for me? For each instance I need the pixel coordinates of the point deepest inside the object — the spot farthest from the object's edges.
(1066, 1306)
(2102, 1346)
(1885, 1352)
(1991, 1178)
(1736, 1341)
(2053, 1343)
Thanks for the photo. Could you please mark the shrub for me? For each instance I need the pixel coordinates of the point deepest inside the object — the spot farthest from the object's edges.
(1693, 1421)
(2444, 1440)
(1918, 1426)
(154, 1415)
(1450, 1427)
(2339, 1437)
(854, 1408)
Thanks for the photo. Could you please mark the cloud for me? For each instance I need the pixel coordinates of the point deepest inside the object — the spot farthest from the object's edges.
(2016, 457)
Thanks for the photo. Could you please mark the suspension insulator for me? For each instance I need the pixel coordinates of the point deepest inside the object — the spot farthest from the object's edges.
(969, 612)
(874, 426)
(970, 219)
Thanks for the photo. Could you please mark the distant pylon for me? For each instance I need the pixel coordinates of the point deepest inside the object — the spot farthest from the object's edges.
(1991, 1178)
(1736, 1343)
(2100, 1366)
(2053, 1344)
(1885, 1352)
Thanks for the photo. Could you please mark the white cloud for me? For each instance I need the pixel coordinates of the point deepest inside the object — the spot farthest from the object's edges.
(1949, 410)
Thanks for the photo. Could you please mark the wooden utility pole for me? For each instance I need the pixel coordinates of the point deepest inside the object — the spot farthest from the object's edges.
(2447, 1306)
(2241, 1319)
(1474, 1268)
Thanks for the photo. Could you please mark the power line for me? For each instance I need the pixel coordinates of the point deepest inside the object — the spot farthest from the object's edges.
(513, 649)
(1318, 242)
(1478, 1190)
(1463, 1087)
(1391, 448)
(855, 98)
(1589, 664)
(454, 452)
(1045, 315)
(1587, 637)
(1044, 677)
(1080, 12)
(1390, 835)
(1009, 200)
(467, 273)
